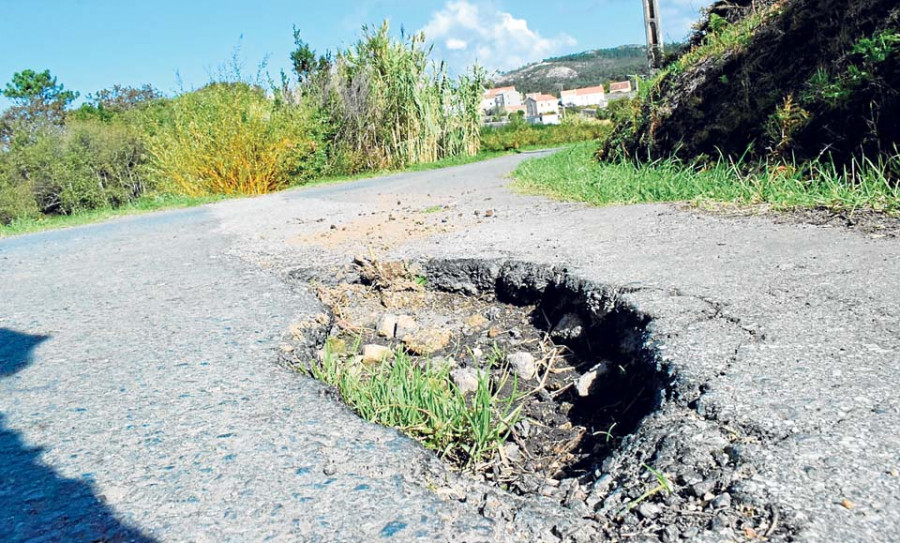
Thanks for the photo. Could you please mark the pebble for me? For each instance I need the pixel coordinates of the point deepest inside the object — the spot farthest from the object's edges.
(387, 326)
(648, 510)
(465, 379)
(722, 501)
(513, 452)
(522, 364)
(585, 382)
(405, 325)
(425, 342)
(569, 327)
(376, 353)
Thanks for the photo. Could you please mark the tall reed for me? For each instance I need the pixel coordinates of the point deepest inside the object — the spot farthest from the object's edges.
(392, 106)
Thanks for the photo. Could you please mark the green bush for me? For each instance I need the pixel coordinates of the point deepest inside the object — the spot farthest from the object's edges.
(518, 134)
(391, 105)
(229, 138)
(64, 170)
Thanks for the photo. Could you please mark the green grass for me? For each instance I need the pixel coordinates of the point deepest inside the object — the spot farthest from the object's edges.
(144, 204)
(575, 174)
(423, 403)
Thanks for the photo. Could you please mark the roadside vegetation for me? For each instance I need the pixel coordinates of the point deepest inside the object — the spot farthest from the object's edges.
(720, 124)
(518, 134)
(379, 105)
(576, 174)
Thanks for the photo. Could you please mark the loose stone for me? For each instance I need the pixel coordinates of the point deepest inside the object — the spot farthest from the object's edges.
(465, 379)
(376, 353)
(522, 364)
(387, 325)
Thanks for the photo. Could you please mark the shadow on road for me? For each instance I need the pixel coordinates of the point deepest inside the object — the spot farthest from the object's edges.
(36, 503)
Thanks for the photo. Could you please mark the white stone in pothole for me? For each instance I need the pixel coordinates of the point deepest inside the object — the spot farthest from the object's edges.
(376, 353)
(387, 325)
(585, 382)
(465, 379)
(406, 325)
(522, 364)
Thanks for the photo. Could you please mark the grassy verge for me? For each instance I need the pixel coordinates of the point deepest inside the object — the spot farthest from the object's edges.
(142, 205)
(422, 402)
(575, 174)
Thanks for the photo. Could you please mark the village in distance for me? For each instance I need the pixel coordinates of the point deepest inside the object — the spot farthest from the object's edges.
(501, 103)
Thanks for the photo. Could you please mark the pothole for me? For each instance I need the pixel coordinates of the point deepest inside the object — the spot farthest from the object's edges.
(563, 361)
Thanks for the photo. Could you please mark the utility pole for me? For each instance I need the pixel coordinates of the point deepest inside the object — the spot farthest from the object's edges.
(654, 33)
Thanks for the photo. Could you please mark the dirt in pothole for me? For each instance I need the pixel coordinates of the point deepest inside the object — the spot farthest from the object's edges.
(593, 436)
(576, 406)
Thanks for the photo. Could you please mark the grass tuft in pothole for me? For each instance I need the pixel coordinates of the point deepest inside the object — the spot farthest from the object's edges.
(520, 375)
(422, 401)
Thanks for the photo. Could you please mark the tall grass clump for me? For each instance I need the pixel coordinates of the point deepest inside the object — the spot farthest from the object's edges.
(422, 402)
(390, 106)
(230, 138)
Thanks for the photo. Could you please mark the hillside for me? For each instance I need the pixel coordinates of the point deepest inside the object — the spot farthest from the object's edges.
(578, 70)
(786, 79)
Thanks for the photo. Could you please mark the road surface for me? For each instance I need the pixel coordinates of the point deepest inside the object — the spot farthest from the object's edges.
(140, 401)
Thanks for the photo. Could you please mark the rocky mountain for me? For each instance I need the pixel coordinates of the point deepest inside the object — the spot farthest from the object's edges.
(583, 69)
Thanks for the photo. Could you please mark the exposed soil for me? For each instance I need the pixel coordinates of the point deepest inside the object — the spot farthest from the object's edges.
(570, 420)
(588, 445)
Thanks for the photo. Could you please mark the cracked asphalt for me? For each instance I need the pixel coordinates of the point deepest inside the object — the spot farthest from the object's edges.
(140, 400)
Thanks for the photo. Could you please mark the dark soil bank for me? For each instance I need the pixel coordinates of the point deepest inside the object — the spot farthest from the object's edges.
(814, 77)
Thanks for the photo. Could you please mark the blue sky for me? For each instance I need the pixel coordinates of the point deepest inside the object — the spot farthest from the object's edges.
(93, 44)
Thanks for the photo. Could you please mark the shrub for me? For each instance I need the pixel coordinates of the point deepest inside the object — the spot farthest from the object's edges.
(229, 138)
(84, 165)
(518, 134)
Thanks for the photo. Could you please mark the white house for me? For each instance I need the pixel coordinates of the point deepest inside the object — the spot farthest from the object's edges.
(543, 109)
(587, 96)
(620, 86)
(501, 99)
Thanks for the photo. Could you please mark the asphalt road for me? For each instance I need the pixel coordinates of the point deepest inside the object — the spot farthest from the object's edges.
(140, 400)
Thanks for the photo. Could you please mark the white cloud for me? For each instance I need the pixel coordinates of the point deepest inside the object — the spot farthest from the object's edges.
(454, 44)
(476, 32)
(678, 16)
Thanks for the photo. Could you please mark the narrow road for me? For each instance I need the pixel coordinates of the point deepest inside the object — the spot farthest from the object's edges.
(140, 401)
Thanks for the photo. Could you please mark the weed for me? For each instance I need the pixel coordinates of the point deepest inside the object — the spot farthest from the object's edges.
(663, 485)
(787, 119)
(877, 48)
(422, 402)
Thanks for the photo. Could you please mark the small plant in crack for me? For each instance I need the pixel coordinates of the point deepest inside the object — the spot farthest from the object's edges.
(422, 401)
(663, 486)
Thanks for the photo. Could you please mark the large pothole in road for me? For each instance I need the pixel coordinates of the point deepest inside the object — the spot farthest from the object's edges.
(517, 373)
